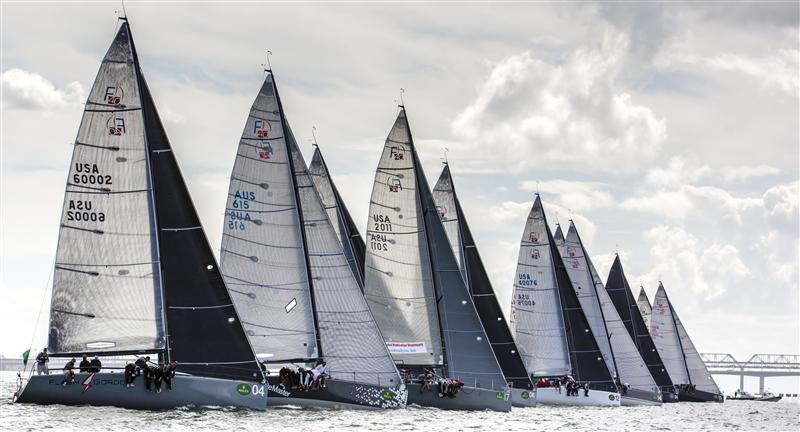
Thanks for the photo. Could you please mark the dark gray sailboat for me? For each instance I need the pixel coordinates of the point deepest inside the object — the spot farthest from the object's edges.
(291, 280)
(684, 364)
(550, 327)
(134, 273)
(480, 287)
(620, 293)
(417, 294)
(352, 242)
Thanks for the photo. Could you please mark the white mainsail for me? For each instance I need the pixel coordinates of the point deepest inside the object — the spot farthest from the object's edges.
(106, 289)
(698, 371)
(398, 281)
(444, 197)
(667, 339)
(584, 286)
(644, 307)
(536, 313)
(327, 299)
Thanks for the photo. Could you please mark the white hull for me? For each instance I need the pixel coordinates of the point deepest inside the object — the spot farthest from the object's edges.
(523, 398)
(551, 396)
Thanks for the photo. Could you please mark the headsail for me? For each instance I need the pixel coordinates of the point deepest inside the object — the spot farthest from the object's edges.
(336, 312)
(478, 283)
(412, 280)
(346, 230)
(146, 263)
(644, 307)
(620, 293)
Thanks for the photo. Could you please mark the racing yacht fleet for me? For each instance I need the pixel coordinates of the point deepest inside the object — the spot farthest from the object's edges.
(303, 310)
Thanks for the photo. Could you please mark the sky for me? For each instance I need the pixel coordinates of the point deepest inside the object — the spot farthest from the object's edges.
(667, 132)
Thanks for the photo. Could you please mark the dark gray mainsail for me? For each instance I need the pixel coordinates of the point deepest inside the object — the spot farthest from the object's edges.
(413, 282)
(478, 283)
(133, 261)
(280, 252)
(352, 242)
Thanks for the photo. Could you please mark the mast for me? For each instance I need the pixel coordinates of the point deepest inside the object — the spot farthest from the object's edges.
(600, 306)
(680, 343)
(290, 159)
(425, 211)
(167, 351)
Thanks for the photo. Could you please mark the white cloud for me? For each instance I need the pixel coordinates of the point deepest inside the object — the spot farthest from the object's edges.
(571, 113)
(746, 172)
(676, 173)
(29, 90)
(574, 195)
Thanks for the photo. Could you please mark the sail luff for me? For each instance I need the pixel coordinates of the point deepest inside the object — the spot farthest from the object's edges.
(293, 180)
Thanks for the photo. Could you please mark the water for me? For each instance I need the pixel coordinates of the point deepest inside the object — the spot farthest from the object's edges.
(732, 415)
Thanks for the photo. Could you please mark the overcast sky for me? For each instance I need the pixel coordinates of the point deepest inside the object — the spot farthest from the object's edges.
(667, 132)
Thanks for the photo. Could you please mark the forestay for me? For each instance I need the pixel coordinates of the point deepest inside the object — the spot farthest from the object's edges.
(483, 296)
(584, 286)
(350, 340)
(536, 312)
(346, 230)
(106, 289)
(666, 337)
(262, 255)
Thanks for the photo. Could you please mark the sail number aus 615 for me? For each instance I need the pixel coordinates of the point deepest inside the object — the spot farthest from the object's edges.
(80, 210)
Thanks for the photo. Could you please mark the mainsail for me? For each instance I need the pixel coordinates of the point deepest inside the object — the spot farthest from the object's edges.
(289, 275)
(478, 283)
(683, 362)
(631, 368)
(133, 262)
(551, 329)
(412, 280)
(644, 307)
(346, 230)
(620, 293)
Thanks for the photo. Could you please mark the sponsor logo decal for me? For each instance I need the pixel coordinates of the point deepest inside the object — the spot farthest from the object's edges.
(525, 395)
(87, 383)
(611, 397)
(406, 347)
(499, 395)
(387, 394)
(243, 389)
(279, 389)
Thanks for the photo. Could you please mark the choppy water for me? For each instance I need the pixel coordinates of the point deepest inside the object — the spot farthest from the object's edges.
(732, 415)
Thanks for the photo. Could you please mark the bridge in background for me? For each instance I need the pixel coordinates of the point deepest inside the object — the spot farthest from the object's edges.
(759, 365)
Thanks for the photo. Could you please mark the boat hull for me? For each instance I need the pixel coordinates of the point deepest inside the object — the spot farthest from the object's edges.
(468, 399)
(551, 396)
(699, 396)
(521, 398)
(669, 397)
(337, 395)
(108, 389)
(636, 397)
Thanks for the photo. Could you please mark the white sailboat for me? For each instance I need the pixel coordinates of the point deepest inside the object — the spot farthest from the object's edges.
(644, 306)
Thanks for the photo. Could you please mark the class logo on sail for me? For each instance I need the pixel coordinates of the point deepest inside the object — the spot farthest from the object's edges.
(266, 151)
(116, 125)
(114, 95)
(397, 153)
(395, 185)
(262, 129)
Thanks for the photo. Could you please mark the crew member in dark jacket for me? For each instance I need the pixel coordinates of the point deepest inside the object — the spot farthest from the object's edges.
(84, 365)
(96, 364)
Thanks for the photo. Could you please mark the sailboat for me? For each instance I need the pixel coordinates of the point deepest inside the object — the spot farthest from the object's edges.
(415, 289)
(644, 307)
(684, 364)
(134, 273)
(346, 230)
(549, 325)
(480, 287)
(286, 271)
(620, 293)
(626, 365)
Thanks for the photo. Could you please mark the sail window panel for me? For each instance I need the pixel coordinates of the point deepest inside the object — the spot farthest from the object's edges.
(398, 282)
(351, 343)
(583, 285)
(665, 336)
(535, 307)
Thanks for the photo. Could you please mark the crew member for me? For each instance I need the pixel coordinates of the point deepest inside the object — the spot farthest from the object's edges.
(130, 374)
(84, 365)
(69, 372)
(96, 364)
(41, 363)
(169, 373)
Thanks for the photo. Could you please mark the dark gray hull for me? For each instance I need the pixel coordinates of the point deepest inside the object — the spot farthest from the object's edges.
(337, 395)
(699, 396)
(469, 399)
(636, 397)
(108, 389)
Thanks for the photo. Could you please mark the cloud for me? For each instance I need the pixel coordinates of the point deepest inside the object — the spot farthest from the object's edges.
(676, 173)
(570, 112)
(746, 172)
(574, 195)
(31, 91)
